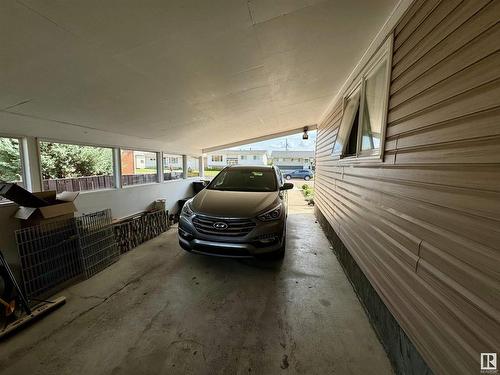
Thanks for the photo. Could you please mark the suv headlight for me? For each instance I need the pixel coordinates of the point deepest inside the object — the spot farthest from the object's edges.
(187, 210)
(273, 214)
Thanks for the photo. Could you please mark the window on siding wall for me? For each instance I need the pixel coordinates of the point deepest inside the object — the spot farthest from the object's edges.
(374, 107)
(70, 167)
(217, 158)
(193, 166)
(139, 167)
(363, 122)
(172, 167)
(11, 169)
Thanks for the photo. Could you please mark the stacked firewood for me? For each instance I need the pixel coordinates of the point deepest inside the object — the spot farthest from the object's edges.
(131, 232)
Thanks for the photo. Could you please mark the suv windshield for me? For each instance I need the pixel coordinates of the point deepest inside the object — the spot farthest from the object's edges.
(245, 179)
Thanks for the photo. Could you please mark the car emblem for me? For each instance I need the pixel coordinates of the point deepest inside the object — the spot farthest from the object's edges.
(220, 225)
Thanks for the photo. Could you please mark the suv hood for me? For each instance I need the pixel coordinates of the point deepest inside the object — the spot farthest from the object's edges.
(238, 204)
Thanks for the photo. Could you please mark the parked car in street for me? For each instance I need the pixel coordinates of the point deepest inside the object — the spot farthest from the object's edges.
(299, 173)
(241, 213)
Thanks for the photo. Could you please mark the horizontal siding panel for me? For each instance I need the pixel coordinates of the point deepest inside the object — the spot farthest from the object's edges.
(408, 16)
(469, 201)
(485, 151)
(451, 35)
(485, 124)
(396, 237)
(427, 223)
(447, 16)
(478, 176)
(404, 88)
(440, 12)
(470, 318)
(476, 100)
(467, 279)
(474, 76)
(422, 11)
(413, 302)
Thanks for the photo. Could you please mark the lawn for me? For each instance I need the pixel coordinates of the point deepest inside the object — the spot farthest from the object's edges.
(145, 171)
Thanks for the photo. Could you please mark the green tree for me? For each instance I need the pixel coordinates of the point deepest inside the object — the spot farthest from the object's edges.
(62, 161)
(10, 160)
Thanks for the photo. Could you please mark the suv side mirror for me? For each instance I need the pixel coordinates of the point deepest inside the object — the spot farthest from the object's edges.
(287, 186)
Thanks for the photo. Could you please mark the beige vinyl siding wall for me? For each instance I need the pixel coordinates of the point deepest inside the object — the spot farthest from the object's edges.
(424, 224)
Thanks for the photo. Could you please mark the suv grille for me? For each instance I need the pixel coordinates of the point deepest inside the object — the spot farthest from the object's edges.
(234, 227)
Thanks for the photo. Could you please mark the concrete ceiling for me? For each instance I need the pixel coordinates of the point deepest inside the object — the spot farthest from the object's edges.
(181, 73)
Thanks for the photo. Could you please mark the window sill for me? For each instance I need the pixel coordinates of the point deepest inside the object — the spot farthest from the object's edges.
(173, 180)
(347, 160)
(94, 191)
(137, 185)
(360, 160)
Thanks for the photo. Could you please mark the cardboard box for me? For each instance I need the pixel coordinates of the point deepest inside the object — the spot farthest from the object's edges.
(22, 197)
(61, 206)
(40, 208)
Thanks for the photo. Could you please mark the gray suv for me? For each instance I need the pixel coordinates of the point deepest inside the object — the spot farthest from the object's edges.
(299, 173)
(241, 213)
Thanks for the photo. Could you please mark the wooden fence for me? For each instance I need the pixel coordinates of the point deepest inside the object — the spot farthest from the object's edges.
(97, 182)
(100, 182)
(137, 179)
(79, 183)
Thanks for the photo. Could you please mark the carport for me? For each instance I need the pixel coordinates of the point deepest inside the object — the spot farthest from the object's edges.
(395, 269)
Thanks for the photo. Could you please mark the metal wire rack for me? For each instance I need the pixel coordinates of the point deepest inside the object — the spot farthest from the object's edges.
(97, 242)
(49, 256)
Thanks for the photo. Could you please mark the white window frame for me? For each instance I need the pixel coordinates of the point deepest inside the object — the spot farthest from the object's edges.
(187, 167)
(384, 53)
(73, 143)
(178, 158)
(159, 166)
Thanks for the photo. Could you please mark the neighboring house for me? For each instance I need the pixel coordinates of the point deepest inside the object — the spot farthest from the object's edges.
(292, 160)
(173, 162)
(222, 158)
(137, 160)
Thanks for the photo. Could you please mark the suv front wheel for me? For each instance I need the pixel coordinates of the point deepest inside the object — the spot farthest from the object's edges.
(288, 177)
(307, 178)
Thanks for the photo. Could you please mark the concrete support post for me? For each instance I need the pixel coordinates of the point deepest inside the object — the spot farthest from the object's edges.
(31, 164)
(202, 166)
(160, 166)
(117, 167)
(184, 166)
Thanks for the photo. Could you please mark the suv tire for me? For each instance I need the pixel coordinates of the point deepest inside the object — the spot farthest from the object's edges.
(288, 177)
(307, 178)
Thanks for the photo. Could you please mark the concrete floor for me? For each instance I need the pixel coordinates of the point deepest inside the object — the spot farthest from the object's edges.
(160, 310)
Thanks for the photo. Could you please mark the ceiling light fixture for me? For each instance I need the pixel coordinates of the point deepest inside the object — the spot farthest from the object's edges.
(305, 135)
